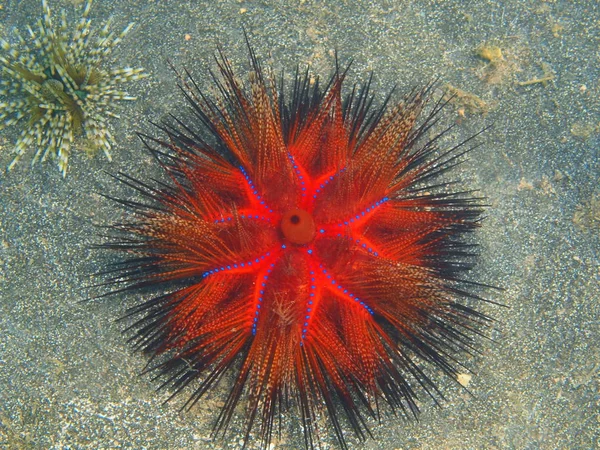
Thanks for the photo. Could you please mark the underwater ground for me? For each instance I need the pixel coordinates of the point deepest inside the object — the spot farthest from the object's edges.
(531, 69)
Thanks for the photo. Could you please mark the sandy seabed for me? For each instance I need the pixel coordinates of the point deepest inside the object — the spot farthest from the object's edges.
(532, 69)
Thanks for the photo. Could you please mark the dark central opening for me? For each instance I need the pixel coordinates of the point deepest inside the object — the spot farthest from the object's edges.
(298, 226)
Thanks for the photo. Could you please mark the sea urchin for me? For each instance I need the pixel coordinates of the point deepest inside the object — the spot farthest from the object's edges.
(302, 247)
(57, 84)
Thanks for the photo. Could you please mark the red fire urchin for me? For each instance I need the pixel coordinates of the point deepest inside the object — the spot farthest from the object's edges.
(301, 247)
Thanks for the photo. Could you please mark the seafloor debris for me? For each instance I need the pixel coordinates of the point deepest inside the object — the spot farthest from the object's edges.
(587, 214)
(500, 66)
(548, 75)
(465, 101)
(584, 130)
(57, 88)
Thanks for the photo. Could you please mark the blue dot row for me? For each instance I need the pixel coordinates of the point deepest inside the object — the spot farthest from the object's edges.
(362, 213)
(253, 189)
(326, 182)
(261, 292)
(313, 288)
(300, 177)
(361, 244)
(236, 265)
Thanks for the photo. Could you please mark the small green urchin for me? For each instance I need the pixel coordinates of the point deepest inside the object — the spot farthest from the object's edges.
(55, 82)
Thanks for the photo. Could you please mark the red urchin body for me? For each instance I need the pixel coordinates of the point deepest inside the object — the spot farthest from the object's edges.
(300, 247)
